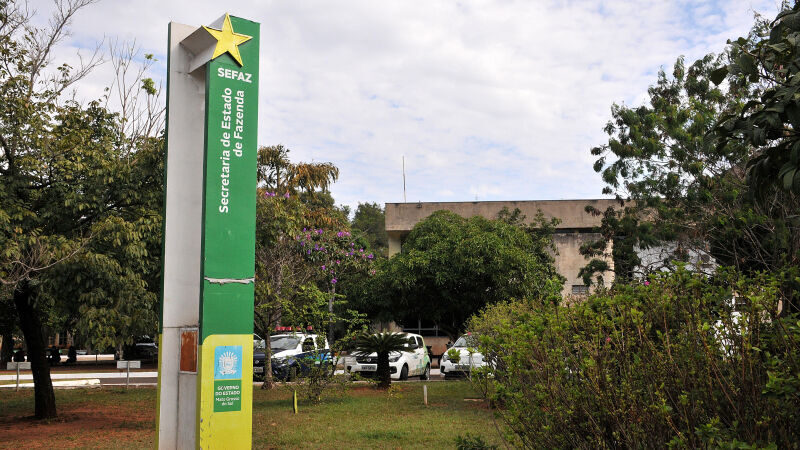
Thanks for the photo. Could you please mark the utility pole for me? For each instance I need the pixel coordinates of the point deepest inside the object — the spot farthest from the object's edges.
(404, 179)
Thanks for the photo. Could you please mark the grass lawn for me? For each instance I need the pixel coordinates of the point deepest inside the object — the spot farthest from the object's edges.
(361, 418)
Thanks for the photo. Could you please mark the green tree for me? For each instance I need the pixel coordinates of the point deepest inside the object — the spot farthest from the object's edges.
(769, 123)
(682, 189)
(339, 259)
(451, 267)
(383, 344)
(288, 203)
(666, 172)
(282, 275)
(79, 202)
(369, 221)
(310, 181)
(683, 173)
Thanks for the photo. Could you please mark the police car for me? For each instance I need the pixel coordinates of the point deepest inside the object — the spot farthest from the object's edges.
(284, 347)
(468, 358)
(414, 362)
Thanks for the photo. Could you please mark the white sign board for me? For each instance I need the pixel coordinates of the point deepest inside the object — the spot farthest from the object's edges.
(19, 365)
(129, 364)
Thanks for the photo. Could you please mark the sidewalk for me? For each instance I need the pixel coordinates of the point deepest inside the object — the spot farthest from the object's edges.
(26, 375)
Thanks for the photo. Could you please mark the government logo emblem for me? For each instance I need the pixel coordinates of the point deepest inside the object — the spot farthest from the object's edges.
(227, 363)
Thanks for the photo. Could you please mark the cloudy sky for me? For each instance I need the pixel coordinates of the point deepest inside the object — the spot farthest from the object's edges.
(487, 100)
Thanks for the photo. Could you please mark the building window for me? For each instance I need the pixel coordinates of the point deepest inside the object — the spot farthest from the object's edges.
(424, 327)
(580, 289)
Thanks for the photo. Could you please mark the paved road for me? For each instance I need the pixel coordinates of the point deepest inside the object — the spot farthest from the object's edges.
(117, 382)
(113, 378)
(89, 378)
(151, 378)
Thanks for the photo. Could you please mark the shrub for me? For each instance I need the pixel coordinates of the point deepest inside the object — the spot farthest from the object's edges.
(472, 442)
(681, 360)
(383, 344)
(454, 355)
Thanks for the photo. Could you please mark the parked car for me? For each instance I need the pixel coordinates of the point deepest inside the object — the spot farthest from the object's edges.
(300, 365)
(283, 347)
(466, 361)
(144, 348)
(411, 363)
(258, 342)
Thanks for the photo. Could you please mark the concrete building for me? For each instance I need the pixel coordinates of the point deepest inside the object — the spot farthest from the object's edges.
(575, 229)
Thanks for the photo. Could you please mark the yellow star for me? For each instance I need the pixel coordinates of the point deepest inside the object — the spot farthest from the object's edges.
(228, 40)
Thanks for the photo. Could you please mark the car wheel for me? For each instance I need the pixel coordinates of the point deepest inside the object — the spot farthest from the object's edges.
(404, 373)
(426, 375)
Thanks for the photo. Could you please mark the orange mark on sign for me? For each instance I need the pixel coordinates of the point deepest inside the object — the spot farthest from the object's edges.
(189, 351)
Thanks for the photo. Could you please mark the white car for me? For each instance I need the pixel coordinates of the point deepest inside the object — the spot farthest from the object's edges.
(467, 360)
(258, 342)
(283, 346)
(412, 363)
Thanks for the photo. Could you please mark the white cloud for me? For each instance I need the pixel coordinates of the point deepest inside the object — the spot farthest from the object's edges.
(500, 99)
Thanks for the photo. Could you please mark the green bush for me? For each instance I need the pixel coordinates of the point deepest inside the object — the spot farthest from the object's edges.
(472, 442)
(680, 361)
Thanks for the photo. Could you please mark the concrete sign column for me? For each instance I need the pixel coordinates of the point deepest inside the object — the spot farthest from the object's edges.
(206, 347)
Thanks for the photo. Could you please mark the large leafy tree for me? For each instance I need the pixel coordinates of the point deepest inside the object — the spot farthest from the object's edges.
(292, 198)
(664, 169)
(682, 191)
(768, 123)
(450, 267)
(278, 175)
(79, 201)
(282, 275)
(341, 261)
(369, 221)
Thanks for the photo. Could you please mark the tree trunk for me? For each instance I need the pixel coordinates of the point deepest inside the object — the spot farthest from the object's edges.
(383, 371)
(330, 314)
(31, 325)
(269, 383)
(7, 350)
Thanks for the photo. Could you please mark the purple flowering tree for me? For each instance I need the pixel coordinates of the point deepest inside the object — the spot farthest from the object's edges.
(338, 258)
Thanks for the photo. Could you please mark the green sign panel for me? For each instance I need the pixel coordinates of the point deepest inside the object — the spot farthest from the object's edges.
(230, 180)
(228, 241)
(227, 395)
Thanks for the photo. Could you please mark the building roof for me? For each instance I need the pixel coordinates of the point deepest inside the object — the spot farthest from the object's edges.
(401, 217)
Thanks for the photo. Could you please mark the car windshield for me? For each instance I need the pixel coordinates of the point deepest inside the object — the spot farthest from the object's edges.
(462, 342)
(281, 343)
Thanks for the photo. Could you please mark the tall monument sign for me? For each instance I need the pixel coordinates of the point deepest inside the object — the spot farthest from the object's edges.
(206, 343)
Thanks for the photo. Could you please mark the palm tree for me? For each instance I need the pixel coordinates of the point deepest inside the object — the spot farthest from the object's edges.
(383, 344)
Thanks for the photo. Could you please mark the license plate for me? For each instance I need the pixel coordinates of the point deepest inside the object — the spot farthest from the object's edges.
(258, 370)
(462, 367)
(369, 367)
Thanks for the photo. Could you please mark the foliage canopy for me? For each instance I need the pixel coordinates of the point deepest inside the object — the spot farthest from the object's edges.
(450, 267)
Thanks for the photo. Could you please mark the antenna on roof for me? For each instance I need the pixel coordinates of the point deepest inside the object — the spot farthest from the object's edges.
(404, 179)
